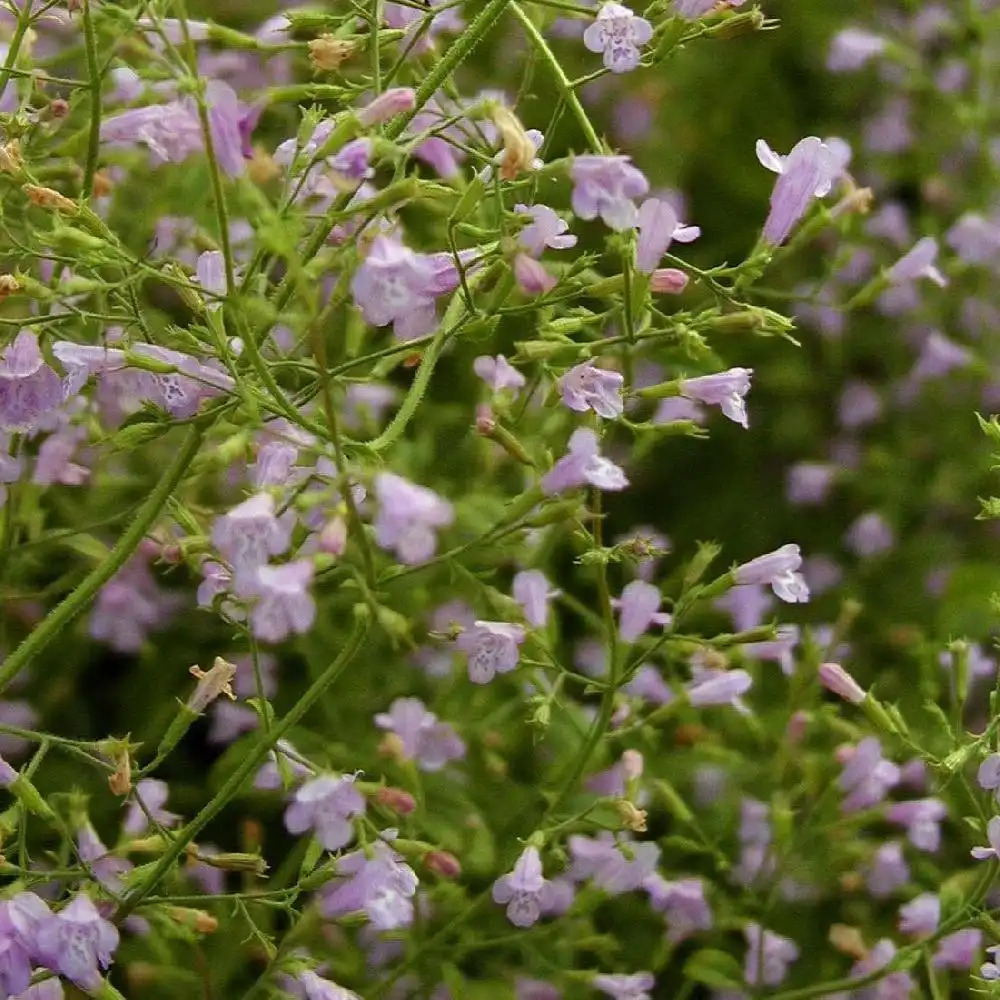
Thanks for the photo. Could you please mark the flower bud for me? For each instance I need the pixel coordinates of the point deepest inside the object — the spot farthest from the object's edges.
(836, 679)
(387, 105)
(46, 197)
(632, 764)
(198, 920)
(397, 799)
(667, 281)
(443, 864)
(333, 536)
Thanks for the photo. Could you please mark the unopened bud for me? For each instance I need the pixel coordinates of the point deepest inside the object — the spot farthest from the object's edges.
(442, 864)
(392, 746)
(212, 684)
(632, 764)
(11, 161)
(387, 105)
(327, 52)
(632, 817)
(531, 276)
(667, 281)
(333, 536)
(120, 781)
(485, 421)
(235, 861)
(58, 108)
(46, 197)
(397, 799)
(848, 940)
(518, 150)
(836, 679)
(796, 728)
(199, 920)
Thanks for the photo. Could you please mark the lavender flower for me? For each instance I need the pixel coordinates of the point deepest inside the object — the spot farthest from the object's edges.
(395, 285)
(525, 891)
(768, 956)
(77, 943)
(867, 777)
(307, 985)
(638, 608)
(988, 775)
(422, 737)
(993, 836)
(852, 48)
(723, 389)
(682, 903)
(328, 806)
(718, 687)
(600, 860)
(619, 34)
(958, 950)
(658, 228)
(585, 387)
(918, 262)
(283, 605)
(605, 186)
(248, 535)
(888, 871)
(29, 389)
(407, 518)
(582, 464)
(386, 105)
(895, 986)
(621, 987)
(381, 885)
(809, 482)
(836, 679)
(152, 793)
(922, 819)
(491, 648)
(547, 229)
(533, 592)
(20, 920)
(869, 535)
(920, 916)
(990, 971)
(779, 569)
(807, 172)
(499, 374)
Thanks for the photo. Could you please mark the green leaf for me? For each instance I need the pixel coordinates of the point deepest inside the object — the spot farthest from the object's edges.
(717, 969)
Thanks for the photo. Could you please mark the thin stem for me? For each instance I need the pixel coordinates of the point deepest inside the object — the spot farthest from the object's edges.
(94, 72)
(79, 599)
(248, 765)
(566, 91)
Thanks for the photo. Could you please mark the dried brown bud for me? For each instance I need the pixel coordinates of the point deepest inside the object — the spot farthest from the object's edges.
(216, 682)
(48, 198)
(689, 734)
(443, 864)
(10, 157)
(327, 52)
(120, 782)
(518, 150)
(848, 940)
(396, 799)
(102, 185)
(262, 168)
(8, 285)
(632, 817)
(199, 920)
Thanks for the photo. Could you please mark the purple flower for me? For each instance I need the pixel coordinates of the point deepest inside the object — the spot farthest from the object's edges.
(152, 793)
(988, 775)
(888, 871)
(859, 405)
(638, 608)
(648, 685)
(619, 34)
(498, 373)
(746, 605)
(29, 389)
(918, 262)
(422, 737)
(920, 916)
(807, 172)
(780, 650)
(386, 105)
(809, 482)
(546, 230)
(531, 276)
(525, 891)
(533, 592)
(491, 648)
(20, 920)
(395, 285)
(836, 679)
(779, 569)
(600, 860)
(283, 605)
(683, 904)
(867, 777)
(583, 463)
(869, 535)
(768, 956)
(268, 778)
(77, 943)
(723, 389)
(381, 885)
(958, 951)
(307, 985)
(993, 836)
(852, 48)
(621, 987)
(895, 986)
(990, 971)
(939, 356)
(585, 387)
(248, 535)
(922, 819)
(691, 10)
(407, 518)
(718, 687)
(605, 186)
(658, 228)
(535, 989)
(351, 163)
(326, 805)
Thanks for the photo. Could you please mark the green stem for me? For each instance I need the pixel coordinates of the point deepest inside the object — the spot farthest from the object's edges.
(77, 601)
(23, 23)
(248, 765)
(94, 73)
(566, 91)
